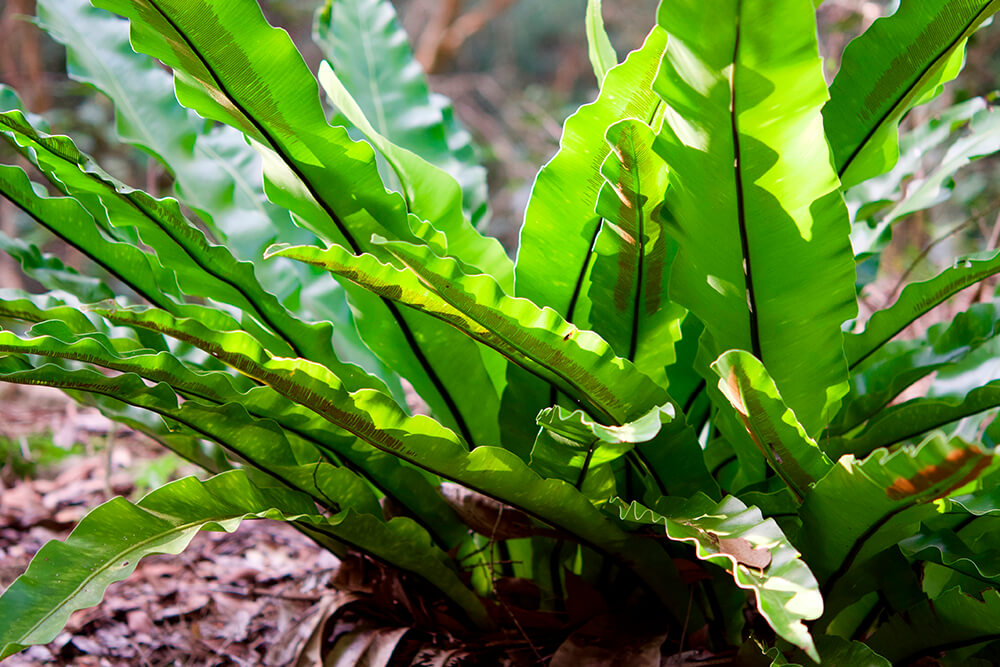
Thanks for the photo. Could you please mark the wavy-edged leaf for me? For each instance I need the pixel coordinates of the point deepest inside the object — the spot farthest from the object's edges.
(68, 311)
(404, 486)
(602, 53)
(216, 172)
(919, 148)
(915, 417)
(260, 444)
(833, 650)
(982, 138)
(979, 137)
(10, 100)
(231, 65)
(915, 300)
(108, 543)
(772, 425)
(898, 364)
(947, 548)
(273, 453)
(421, 441)
(202, 268)
(764, 257)
(570, 445)
(50, 271)
(430, 192)
(578, 427)
(753, 549)
(139, 270)
(901, 61)
(578, 361)
(860, 506)
(68, 220)
(255, 80)
(560, 224)
(632, 254)
(952, 620)
(370, 52)
(167, 432)
(974, 369)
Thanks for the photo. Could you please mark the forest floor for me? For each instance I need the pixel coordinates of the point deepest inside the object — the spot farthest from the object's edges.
(252, 597)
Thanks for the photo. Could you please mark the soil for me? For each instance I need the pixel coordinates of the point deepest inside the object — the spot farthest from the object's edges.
(252, 597)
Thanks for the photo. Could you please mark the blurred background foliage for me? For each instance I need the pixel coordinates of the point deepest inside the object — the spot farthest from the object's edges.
(515, 69)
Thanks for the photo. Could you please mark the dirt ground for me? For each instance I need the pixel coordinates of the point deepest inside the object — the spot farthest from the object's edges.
(248, 598)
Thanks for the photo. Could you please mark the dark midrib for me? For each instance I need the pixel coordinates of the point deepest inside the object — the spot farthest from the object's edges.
(875, 410)
(637, 302)
(620, 559)
(204, 266)
(920, 428)
(166, 229)
(319, 529)
(635, 454)
(740, 212)
(578, 288)
(856, 548)
(205, 434)
(281, 382)
(947, 646)
(327, 451)
(897, 330)
(695, 393)
(321, 446)
(156, 301)
(923, 73)
(341, 227)
(640, 240)
(575, 296)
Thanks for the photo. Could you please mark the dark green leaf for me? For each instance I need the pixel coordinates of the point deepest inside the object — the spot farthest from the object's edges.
(421, 441)
(915, 300)
(951, 621)
(944, 349)
(109, 542)
(859, 507)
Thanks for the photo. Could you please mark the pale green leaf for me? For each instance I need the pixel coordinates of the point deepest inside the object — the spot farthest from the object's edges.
(430, 192)
(764, 258)
(771, 424)
(368, 48)
(231, 65)
(753, 549)
(632, 254)
(901, 61)
(602, 54)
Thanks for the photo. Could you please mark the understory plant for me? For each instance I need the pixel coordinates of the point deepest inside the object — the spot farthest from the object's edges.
(664, 429)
